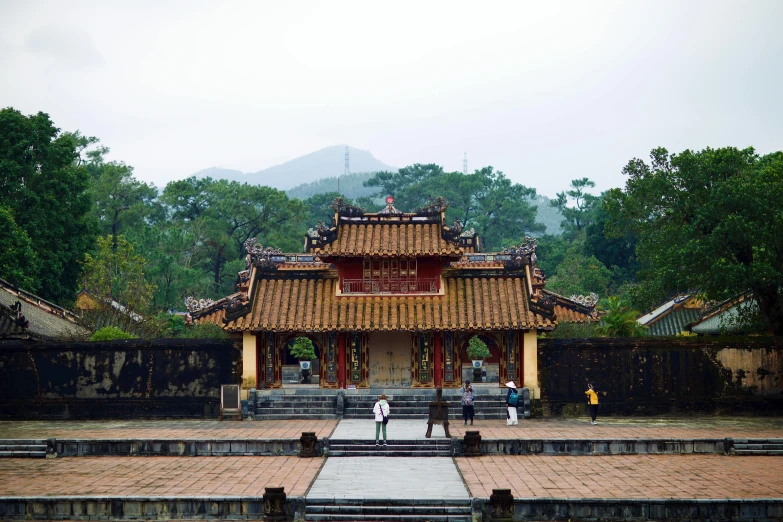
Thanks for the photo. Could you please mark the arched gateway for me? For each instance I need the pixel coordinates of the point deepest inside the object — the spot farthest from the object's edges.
(390, 299)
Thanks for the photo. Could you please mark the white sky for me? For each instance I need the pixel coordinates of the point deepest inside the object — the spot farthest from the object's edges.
(544, 91)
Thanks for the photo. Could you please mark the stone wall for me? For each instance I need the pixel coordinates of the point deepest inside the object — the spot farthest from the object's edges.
(662, 375)
(116, 379)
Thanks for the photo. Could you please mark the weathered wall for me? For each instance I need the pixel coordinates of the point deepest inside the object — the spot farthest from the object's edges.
(663, 375)
(116, 379)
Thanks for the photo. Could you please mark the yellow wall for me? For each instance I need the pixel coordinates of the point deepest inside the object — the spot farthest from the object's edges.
(530, 355)
(249, 366)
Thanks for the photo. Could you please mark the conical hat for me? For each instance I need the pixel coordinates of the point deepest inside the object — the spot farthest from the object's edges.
(510, 384)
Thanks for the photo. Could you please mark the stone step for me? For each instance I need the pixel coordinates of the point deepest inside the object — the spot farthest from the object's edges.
(16, 454)
(22, 447)
(759, 452)
(758, 441)
(389, 453)
(390, 512)
(750, 446)
(297, 398)
(23, 441)
(295, 409)
(301, 416)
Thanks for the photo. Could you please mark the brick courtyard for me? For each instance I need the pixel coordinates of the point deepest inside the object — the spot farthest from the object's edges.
(627, 476)
(156, 476)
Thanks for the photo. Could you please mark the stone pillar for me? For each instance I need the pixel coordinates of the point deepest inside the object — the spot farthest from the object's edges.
(274, 504)
(438, 366)
(341, 360)
(530, 364)
(249, 363)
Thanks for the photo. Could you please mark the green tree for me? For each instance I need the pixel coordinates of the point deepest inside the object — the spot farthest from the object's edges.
(18, 260)
(619, 319)
(617, 253)
(501, 211)
(117, 274)
(121, 202)
(44, 184)
(579, 214)
(708, 220)
(222, 215)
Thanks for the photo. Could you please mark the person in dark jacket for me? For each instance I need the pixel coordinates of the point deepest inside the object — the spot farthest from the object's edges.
(467, 402)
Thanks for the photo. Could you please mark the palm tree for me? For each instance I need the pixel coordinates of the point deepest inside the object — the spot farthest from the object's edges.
(619, 320)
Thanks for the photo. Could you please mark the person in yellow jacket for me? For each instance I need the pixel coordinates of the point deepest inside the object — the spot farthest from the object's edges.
(592, 401)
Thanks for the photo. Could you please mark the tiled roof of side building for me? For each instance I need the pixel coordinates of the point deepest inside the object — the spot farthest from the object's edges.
(44, 319)
(569, 311)
(312, 304)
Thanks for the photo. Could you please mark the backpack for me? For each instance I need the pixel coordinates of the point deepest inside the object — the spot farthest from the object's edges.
(467, 398)
(513, 399)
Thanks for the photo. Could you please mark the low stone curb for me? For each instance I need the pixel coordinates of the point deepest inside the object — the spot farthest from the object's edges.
(756, 510)
(179, 448)
(141, 508)
(292, 446)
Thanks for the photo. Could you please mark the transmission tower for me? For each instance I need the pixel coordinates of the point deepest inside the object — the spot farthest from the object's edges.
(346, 171)
(465, 163)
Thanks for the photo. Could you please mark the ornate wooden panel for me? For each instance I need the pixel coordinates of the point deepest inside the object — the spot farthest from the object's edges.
(328, 371)
(358, 367)
(450, 371)
(273, 369)
(422, 358)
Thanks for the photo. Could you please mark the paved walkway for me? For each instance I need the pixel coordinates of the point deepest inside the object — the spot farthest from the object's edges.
(630, 476)
(385, 477)
(156, 476)
(165, 429)
(549, 428)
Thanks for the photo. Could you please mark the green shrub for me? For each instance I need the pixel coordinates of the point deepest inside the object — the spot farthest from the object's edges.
(111, 333)
(477, 349)
(302, 349)
(204, 331)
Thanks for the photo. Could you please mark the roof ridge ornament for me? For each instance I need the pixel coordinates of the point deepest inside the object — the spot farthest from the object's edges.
(389, 209)
(433, 207)
(523, 253)
(261, 257)
(453, 232)
(345, 209)
(589, 300)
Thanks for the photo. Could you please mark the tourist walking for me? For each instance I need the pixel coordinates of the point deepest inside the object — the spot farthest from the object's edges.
(381, 411)
(592, 402)
(467, 402)
(512, 402)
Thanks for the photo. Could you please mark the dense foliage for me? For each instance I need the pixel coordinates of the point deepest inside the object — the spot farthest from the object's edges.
(708, 220)
(45, 203)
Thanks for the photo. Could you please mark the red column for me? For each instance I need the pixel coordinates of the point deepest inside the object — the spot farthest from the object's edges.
(341, 360)
(438, 368)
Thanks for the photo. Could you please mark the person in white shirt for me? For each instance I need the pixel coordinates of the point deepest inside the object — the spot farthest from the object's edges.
(381, 411)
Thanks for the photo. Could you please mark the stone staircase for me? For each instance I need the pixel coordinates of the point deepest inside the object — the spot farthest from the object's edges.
(395, 448)
(758, 446)
(310, 406)
(389, 509)
(416, 406)
(405, 404)
(26, 448)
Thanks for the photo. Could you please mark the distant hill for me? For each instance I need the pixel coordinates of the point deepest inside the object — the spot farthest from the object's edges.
(351, 186)
(313, 167)
(549, 216)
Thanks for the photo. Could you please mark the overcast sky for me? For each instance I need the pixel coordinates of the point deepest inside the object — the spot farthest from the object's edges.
(544, 91)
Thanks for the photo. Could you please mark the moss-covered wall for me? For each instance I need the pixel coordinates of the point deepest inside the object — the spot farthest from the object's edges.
(116, 379)
(663, 375)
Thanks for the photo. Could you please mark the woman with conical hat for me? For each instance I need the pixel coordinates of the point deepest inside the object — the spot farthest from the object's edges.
(512, 401)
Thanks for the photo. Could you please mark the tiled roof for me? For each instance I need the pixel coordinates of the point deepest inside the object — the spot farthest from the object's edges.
(673, 322)
(45, 320)
(723, 318)
(568, 311)
(310, 304)
(389, 239)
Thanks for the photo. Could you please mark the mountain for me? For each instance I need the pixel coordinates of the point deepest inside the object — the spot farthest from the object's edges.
(324, 163)
(351, 186)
